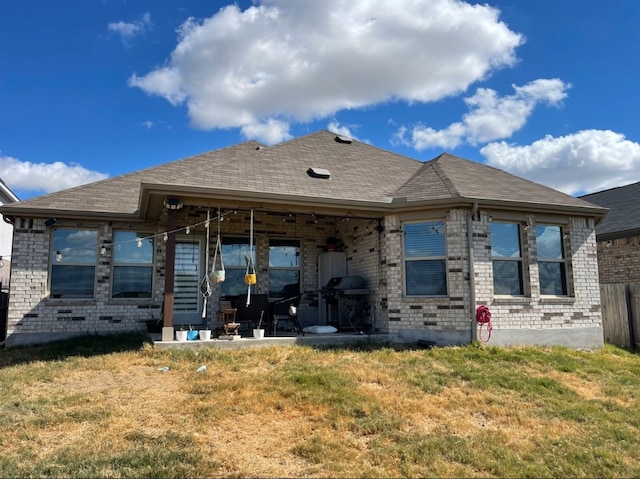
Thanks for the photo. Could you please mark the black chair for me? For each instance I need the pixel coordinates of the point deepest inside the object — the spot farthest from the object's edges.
(285, 310)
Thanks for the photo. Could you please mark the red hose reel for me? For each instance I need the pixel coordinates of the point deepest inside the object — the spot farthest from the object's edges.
(483, 318)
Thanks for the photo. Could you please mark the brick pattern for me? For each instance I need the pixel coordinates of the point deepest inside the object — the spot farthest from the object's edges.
(581, 308)
(374, 251)
(619, 260)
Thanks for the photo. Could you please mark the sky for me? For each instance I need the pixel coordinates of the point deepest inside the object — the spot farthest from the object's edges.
(545, 89)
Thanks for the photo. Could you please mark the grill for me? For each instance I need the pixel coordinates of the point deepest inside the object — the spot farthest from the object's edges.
(344, 285)
(345, 299)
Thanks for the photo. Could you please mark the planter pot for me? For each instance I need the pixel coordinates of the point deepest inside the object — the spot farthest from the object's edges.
(192, 335)
(258, 333)
(181, 335)
(205, 334)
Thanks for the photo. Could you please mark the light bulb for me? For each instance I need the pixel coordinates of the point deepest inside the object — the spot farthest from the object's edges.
(1, 262)
(139, 242)
(103, 251)
(187, 230)
(58, 256)
(165, 236)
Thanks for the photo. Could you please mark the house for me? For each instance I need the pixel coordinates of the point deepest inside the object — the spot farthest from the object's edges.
(618, 235)
(430, 240)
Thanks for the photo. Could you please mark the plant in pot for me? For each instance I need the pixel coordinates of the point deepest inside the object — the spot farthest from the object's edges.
(258, 332)
(204, 334)
(181, 334)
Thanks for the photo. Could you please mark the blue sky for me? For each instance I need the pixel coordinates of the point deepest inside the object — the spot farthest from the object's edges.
(546, 90)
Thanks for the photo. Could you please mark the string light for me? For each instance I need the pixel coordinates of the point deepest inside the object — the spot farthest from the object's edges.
(187, 230)
(165, 236)
(58, 256)
(139, 242)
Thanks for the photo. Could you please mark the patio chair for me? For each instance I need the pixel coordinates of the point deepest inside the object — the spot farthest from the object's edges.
(286, 310)
(227, 324)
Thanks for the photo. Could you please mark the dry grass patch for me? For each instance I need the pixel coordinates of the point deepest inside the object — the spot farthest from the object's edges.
(83, 410)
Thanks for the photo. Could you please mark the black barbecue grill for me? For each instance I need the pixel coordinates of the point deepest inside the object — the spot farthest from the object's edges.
(345, 299)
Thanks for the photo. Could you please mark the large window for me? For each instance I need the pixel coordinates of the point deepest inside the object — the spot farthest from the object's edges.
(132, 265)
(425, 259)
(506, 255)
(284, 268)
(73, 263)
(551, 260)
(236, 253)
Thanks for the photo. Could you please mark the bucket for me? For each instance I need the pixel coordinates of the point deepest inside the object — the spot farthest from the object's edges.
(258, 333)
(181, 335)
(205, 334)
(192, 335)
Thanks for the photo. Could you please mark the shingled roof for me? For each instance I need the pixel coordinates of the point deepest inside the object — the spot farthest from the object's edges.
(623, 218)
(358, 173)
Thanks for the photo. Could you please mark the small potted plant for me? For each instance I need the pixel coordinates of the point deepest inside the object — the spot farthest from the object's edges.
(258, 332)
(181, 334)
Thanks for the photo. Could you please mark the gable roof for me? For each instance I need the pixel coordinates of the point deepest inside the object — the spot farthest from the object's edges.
(623, 218)
(360, 174)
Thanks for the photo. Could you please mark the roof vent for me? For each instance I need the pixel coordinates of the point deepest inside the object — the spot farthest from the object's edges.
(343, 139)
(319, 173)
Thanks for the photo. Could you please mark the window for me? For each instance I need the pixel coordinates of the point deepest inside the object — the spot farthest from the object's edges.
(551, 260)
(73, 263)
(506, 256)
(132, 265)
(425, 259)
(235, 252)
(284, 268)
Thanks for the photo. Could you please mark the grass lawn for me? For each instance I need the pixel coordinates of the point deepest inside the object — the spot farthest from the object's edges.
(102, 407)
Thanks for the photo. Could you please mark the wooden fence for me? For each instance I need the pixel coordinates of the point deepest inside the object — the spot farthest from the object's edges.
(621, 314)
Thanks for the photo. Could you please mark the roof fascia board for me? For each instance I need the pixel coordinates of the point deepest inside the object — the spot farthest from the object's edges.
(618, 235)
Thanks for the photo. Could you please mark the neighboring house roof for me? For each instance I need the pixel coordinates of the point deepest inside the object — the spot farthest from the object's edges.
(360, 175)
(623, 218)
(6, 195)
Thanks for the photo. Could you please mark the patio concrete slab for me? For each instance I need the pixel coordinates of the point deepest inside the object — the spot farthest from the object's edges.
(333, 339)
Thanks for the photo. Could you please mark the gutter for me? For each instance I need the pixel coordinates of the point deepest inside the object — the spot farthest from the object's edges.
(472, 282)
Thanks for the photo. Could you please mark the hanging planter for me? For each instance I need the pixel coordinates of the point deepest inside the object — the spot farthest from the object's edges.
(250, 275)
(218, 275)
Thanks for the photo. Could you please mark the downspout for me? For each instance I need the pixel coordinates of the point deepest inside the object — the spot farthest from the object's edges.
(472, 283)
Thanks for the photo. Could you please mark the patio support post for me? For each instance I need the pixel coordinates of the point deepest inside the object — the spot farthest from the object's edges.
(169, 280)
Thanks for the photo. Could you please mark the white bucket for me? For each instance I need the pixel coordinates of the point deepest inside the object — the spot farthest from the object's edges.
(205, 334)
(181, 335)
(258, 333)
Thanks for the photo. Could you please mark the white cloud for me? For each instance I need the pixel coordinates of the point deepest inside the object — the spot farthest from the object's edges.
(269, 132)
(130, 30)
(291, 60)
(491, 117)
(44, 177)
(580, 163)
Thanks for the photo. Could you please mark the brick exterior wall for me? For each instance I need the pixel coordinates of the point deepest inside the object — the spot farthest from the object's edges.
(619, 260)
(374, 251)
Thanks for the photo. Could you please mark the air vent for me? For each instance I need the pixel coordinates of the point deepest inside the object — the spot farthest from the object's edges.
(343, 139)
(319, 173)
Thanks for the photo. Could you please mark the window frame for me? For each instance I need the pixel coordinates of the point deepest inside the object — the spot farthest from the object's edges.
(116, 264)
(296, 243)
(518, 260)
(561, 261)
(436, 224)
(66, 263)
